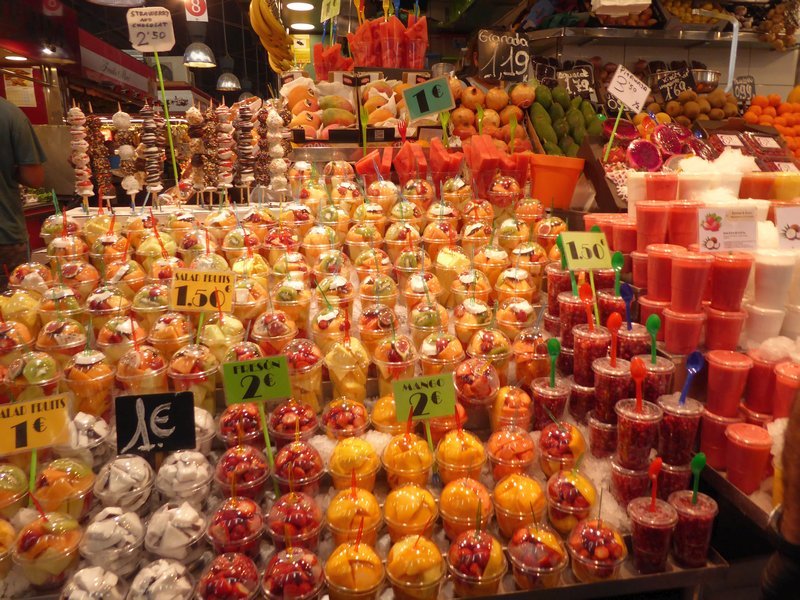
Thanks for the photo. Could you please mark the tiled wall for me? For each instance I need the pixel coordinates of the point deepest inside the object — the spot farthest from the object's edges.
(775, 72)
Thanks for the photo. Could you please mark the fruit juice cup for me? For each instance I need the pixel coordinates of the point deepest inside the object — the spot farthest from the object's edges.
(658, 377)
(730, 272)
(651, 533)
(755, 418)
(690, 271)
(581, 400)
(481, 555)
(602, 437)
(692, 535)
(723, 328)
(762, 323)
(49, 553)
(682, 331)
(589, 344)
(787, 384)
(728, 373)
(571, 312)
(557, 281)
(760, 390)
(659, 270)
(652, 219)
(773, 277)
(713, 442)
(639, 269)
(661, 186)
(637, 432)
(611, 384)
(627, 484)
(546, 398)
(633, 341)
(673, 478)
(623, 236)
(747, 455)
(570, 498)
(683, 227)
(608, 303)
(678, 431)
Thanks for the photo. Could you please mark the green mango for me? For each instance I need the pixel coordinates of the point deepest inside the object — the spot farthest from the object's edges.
(576, 102)
(552, 149)
(545, 132)
(561, 95)
(578, 133)
(539, 112)
(572, 150)
(561, 127)
(565, 142)
(543, 96)
(574, 118)
(556, 112)
(594, 127)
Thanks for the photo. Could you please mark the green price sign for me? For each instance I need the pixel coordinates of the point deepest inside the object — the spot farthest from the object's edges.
(429, 97)
(256, 380)
(427, 397)
(586, 250)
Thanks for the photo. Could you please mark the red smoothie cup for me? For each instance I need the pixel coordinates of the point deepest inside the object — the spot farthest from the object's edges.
(552, 324)
(581, 400)
(606, 224)
(760, 392)
(659, 270)
(602, 437)
(649, 306)
(660, 186)
(548, 399)
(747, 455)
(689, 278)
(787, 385)
(652, 218)
(678, 430)
(588, 345)
(673, 478)
(651, 533)
(723, 328)
(683, 228)
(728, 373)
(611, 384)
(571, 312)
(692, 534)
(755, 418)
(637, 433)
(712, 437)
(729, 274)
(682, 331)
(658, 378)
(639, 268)
(632, 342)
(624, 235)
(627, 484)
(608, 303)
(557, 281)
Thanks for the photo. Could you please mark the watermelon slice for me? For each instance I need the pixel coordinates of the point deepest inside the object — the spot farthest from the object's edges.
(443, 165)
(386, 163)
(366, 166)
(486, 160)
(404, 163)
(421, 163)
(515, 165)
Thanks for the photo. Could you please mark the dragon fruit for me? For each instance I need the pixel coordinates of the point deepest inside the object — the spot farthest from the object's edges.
(667, 140)
(682, 132)
(643, 156)
(698, 147)
(626, 131)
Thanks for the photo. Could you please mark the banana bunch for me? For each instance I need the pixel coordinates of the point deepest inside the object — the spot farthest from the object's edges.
(272, 34)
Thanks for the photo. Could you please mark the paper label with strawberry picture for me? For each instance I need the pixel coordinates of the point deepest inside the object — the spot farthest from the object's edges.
(727, 229)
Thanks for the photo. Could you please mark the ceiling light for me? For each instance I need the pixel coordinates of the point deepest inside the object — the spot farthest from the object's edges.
(302, 26)
(228, 82)
(199, 56)
(300, 6)
(15, 57)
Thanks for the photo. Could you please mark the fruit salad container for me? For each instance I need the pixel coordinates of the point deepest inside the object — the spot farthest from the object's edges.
(476, 563)
(597, 551)
(236, 525)
(295, 519)
(538, 557)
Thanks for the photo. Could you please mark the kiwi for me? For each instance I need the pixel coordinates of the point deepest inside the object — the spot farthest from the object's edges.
(685, 121)
(702, 117)
(705, 105)
(673, 108)
(691, 110)
(687, 96)
(731, 109)
(716, 114)
(654, 107)
(717, 98)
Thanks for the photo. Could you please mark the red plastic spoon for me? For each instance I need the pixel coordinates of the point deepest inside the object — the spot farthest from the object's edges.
(652, 473)
(638, 372)
(587, 298)
(613, 323)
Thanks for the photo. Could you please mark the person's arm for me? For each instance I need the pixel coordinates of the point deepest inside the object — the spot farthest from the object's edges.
(31, 176)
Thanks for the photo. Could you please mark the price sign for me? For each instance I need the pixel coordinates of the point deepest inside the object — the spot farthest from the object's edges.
(672, 84)
(34, 424)
(201, 291)
(427, 397)
(427, 98)
(579, 82)
(787, 220)
(154, 423)
(744, 88)
(628, 89)
(150, 29)
(196, 10)
(787, 167)
(503, 56)
(543, 70)
(586, 250)
(330, 9)
(256, 380)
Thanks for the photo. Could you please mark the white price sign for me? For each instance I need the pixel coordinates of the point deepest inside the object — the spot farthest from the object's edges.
(150, 29)
(787, 220)
(196, 10)
(629, 89)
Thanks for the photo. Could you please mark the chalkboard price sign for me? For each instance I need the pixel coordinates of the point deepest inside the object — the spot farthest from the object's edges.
(579, 82)
(744, 88)
(154, 423)
(672, 84)
(503, 56)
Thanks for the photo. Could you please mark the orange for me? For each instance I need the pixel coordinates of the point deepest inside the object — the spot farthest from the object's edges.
(755, 109)
(769, 110)
(750, 117)
(785, 108)
(765, 120)
(774, 99)
(761, 101)
(781, 121)
(797, 153)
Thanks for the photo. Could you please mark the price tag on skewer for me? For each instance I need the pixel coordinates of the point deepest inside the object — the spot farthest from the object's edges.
(628, 89)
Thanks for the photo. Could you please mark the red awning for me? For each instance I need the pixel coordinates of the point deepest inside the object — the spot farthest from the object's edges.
(102, 62)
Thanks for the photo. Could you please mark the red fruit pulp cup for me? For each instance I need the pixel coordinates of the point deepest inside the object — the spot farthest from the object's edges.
(755, 418)
(689, 277)
(682, 331)
(603, 278)
(571, 312)
(747, 455)
(723, 328)
(588, 345)
(787, 385)
(553, 398)
(608, 303)
(581, 400)
(728, 280)
(623, 233)
(658, 378)
(566, 361)
(683, 228)
(557, 281)
(652, 218)
(660, 186)
(673, 478)
(639, 268)
(632, 342)
(627, 484)
(728, 373)
(602, 437)
(637, 433)
(651, 533)
(692, 534)
(611, 384)
(760, 392)
(678, 430)
(712, 437)
(647, 307)
(659, 270)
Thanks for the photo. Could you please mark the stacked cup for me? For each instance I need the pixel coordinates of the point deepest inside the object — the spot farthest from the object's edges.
(774, 271)
(683, 320)
(725, 318)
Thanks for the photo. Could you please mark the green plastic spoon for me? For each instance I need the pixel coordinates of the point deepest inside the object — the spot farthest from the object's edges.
(617, 261)
(653, 324)
(553, 349)
(697, 466)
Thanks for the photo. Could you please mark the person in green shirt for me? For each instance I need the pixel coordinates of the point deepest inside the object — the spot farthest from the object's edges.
(21, 158)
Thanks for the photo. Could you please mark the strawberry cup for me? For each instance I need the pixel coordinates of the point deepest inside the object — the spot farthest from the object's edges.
(538, 557)
(292, 574)
(291, 420)
(236, 525)
(295, 520)
(298, 468)
(230, 576)
(241, 424)
(242, 471)
(597, 551)
(344, 418)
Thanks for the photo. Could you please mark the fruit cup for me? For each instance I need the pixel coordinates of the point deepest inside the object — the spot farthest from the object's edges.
(512, 407)
(493, 346)
(477, 383)
(344, 417)
(141, 370)
(658, 377)
(293, 573)
(194, 368)
(597, 551)
(90, 378)
(673, 478)
(13, 490)
(272, 331)
(747, 455)
(633, 341)
(548, 400)
(395, 359)
(354, 572)
(407, 459)
(125, 482)
(440, 352)
(347, 363)
(510, 450)
(627, 484)
(459, 454)
(558, 281)
(530, 356)
(242, 471)
(410, 510)
(637, 432)
(678, 431)
(560, 446)
(298, 468)
(65, 486)
(241, 424)
(415, 569)
(290, 421)
(692, 535)
(113, 541)
(476, 563)
(727, 376)
(581, 400)
(571, 312)
(353, 458)
(233, 575)
(304, 360)
(425, 319)
(608, 303)
(46, 550)
(352, 513)
(295, 519)
(538, 557)
(518, 502)
(185, 476)
(570, 498)
(651, 533)
(589, 344)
